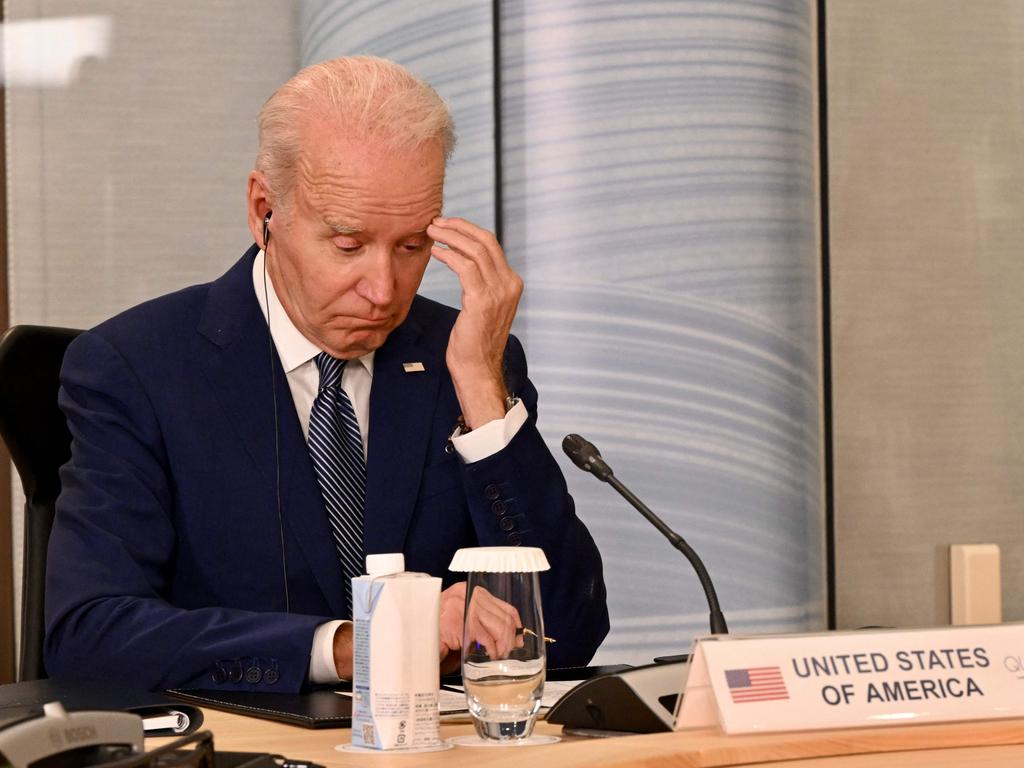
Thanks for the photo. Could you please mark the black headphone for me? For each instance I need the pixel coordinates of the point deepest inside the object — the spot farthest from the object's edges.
(277, 455)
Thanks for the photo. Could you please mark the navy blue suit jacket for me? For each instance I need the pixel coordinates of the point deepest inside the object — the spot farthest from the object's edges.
(166, 554)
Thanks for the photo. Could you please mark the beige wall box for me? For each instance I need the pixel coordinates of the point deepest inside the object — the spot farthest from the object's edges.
(975, 587)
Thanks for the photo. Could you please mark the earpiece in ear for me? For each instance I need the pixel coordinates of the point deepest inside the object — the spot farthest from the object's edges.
(266, 229)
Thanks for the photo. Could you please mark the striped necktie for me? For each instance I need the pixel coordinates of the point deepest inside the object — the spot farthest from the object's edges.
(336, 448)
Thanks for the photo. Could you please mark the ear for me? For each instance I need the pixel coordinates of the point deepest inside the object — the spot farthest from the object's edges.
(259, 205)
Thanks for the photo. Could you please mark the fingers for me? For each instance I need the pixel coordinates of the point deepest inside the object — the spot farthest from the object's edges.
(474, 254)
(453, 605)
(467, 239)
(490, 622)
(493, 623)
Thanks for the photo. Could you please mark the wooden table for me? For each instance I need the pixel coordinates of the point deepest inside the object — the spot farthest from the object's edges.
(999, 743)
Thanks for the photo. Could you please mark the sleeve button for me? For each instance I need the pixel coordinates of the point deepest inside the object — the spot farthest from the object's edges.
(270, 676)
(506, 524)
(514, 539)
(492, 492)
(498, 507)
(253, 675)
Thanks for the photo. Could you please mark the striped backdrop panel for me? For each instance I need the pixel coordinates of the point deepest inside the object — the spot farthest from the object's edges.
(450, 45)
(659, 200)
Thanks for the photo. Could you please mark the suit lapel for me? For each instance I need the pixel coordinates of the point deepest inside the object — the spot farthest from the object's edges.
(238, 368)
(402, 405)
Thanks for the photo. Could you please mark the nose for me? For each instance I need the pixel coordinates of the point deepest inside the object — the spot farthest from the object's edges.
(377, 284)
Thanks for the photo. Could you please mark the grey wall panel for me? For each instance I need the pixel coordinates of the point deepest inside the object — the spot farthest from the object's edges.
(660, 202)
(130, 182)
(927, 191)
(448, 44)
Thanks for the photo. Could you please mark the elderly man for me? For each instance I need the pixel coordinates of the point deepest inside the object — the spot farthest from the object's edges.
(239, 446)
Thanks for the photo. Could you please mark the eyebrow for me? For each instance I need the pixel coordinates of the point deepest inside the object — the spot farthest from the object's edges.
(343, 229)
(347, 229)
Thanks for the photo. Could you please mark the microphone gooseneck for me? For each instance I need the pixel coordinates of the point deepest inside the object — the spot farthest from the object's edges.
(586, 456)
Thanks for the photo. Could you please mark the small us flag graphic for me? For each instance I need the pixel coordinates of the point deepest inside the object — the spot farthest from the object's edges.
(756, 684)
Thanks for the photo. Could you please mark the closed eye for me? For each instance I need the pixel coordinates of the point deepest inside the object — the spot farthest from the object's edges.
(349, 246)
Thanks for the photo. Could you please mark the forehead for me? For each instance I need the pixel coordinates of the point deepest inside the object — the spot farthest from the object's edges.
(355, 182)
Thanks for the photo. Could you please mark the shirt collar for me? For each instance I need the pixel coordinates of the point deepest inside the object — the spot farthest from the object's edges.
(293, 348)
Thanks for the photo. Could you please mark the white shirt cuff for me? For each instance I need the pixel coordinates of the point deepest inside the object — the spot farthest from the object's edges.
(321, 658)
(490, 438)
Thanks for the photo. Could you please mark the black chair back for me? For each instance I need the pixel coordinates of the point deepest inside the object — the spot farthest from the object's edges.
(37, 436)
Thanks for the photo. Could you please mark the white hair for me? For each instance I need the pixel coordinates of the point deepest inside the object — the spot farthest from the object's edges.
(369, 97)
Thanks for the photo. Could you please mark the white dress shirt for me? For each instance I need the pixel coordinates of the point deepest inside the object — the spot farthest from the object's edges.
(298, 357)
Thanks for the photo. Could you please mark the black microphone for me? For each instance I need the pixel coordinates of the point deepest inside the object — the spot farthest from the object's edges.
(586, 456)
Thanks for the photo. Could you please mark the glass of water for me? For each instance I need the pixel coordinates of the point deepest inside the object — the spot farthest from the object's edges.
(503, 654)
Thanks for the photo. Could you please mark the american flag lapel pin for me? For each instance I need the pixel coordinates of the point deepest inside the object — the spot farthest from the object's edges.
(416, 367)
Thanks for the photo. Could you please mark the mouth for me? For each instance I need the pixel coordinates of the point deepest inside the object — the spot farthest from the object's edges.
(360, 322)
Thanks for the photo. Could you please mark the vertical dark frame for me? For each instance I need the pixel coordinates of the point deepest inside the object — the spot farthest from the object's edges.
(499, 184)
(6, 539)
(826, 317)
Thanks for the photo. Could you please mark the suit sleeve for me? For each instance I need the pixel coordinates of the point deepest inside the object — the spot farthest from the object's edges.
(518, 496)
(111, 556)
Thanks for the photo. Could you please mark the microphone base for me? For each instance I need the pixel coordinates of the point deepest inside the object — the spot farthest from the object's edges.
(671, 659)
(638, 700)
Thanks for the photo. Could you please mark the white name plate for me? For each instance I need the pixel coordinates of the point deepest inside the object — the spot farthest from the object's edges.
(854, 679)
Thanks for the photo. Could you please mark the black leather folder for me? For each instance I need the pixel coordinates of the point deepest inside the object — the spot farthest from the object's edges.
(318, 708)
(19, 701)
(324, 707)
